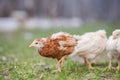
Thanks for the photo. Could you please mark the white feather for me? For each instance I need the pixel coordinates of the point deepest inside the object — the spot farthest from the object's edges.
(118, 45)
(91, 44)
(113, 45)
(56, 35)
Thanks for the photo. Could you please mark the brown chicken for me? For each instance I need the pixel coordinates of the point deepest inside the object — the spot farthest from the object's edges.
(57, 46)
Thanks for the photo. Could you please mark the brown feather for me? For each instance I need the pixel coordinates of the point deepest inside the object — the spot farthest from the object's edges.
(51, 47)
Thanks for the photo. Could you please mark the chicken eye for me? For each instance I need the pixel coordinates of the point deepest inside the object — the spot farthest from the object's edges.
(36, 43)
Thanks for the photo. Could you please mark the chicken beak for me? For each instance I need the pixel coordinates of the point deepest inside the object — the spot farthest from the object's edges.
(31, 45)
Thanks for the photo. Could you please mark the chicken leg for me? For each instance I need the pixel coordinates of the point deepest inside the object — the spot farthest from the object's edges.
(118, 67)
(110, 64)
(87, 62)
(60, 62)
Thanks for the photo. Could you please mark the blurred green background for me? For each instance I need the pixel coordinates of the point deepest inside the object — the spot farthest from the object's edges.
(21, 21)
(19, 62)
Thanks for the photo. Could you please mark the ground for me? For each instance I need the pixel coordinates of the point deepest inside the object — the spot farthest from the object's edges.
(19, 62)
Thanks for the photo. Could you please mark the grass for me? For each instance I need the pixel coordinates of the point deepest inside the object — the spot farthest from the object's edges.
(19, 62)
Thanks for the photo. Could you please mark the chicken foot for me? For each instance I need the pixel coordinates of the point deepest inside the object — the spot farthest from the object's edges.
(118, 67)
(87, 62)
(110, 65)
(60, 63)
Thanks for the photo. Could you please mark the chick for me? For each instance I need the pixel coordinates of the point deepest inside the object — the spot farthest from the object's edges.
(57, 46)
(90, 45)
(113, 48)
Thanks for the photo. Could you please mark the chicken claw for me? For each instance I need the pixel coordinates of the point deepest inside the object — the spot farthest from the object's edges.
(87, 62)
(60, 63)
(118, 67)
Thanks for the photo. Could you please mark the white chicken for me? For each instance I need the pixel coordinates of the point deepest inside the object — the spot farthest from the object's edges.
(90, 45)
(113, 48)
